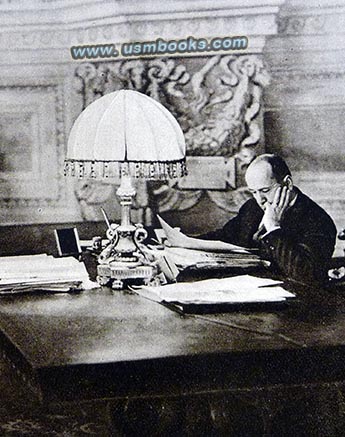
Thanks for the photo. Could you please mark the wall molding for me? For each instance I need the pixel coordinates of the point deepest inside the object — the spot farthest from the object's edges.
(55, 190)
(297, 75)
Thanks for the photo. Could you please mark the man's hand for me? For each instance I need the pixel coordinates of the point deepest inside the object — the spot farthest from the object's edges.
(275, 210)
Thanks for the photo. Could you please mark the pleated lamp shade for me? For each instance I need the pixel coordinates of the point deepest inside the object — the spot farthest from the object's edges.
(126, 126)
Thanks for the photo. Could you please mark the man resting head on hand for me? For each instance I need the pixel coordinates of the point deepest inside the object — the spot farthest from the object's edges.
(291, 231)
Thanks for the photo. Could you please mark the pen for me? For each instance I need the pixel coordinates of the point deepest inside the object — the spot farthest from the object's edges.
(106, 218)
(277, 284)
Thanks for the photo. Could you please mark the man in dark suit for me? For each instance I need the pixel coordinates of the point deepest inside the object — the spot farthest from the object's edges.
(291, 231)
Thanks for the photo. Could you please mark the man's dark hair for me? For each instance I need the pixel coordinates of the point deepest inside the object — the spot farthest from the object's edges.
(279, 167)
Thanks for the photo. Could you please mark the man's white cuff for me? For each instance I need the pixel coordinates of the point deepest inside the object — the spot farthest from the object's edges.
(268, 232)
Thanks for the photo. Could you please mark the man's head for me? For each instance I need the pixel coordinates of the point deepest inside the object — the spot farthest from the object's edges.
(265, 175)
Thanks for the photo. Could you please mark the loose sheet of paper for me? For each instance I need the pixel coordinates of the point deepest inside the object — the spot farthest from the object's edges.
(173, 234)
(237, 289)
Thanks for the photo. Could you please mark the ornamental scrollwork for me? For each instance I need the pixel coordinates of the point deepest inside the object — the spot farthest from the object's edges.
(216, 100)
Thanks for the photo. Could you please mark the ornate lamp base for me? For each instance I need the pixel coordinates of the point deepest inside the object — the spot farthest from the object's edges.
(124, 261)
(119, 274)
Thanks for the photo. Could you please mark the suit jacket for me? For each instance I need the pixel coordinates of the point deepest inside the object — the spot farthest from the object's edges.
(300, 250)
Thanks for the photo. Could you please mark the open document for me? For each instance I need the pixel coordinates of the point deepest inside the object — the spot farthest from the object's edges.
(20, 274)
(175, 235)
(233, 290)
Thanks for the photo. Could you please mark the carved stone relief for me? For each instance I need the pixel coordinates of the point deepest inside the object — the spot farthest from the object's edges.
(296, 25)
(216, 100)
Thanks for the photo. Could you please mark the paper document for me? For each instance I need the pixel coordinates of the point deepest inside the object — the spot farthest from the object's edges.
(42, 272)
(199, 258)
(237, 289)
(176, 238)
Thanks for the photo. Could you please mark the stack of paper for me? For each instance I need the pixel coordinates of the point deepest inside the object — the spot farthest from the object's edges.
(199, 258)
(209, 254)
(19, 274)
(237, 289)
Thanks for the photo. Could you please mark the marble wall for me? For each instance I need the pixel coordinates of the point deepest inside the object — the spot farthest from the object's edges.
(304, 104)
(284, 93)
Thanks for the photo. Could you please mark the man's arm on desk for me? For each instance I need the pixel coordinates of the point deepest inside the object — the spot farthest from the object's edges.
(304, 260)
(302, 243)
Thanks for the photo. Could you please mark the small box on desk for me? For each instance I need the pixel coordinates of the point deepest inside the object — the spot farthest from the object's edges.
(67, 241)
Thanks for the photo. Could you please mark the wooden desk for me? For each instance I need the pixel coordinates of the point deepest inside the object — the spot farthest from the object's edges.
(112, 347)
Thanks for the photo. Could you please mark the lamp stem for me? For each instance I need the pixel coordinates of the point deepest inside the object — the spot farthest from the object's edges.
(125, 213)
(126, 192)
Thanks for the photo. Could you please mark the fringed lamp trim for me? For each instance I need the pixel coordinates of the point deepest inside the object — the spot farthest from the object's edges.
(156, 170)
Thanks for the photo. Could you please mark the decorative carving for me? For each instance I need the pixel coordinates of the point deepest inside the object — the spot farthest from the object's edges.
(169, 197)
(217, 105)
(302, 24)
(227, 92)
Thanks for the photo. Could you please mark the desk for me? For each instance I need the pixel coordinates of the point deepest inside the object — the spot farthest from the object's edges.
(109, 347)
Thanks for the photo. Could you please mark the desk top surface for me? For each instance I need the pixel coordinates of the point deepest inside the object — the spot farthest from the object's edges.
(102, 327)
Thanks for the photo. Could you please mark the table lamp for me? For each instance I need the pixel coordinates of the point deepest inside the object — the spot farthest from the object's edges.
(129, 135)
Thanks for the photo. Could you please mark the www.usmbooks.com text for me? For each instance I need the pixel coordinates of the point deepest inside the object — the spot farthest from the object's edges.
(160, 47)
